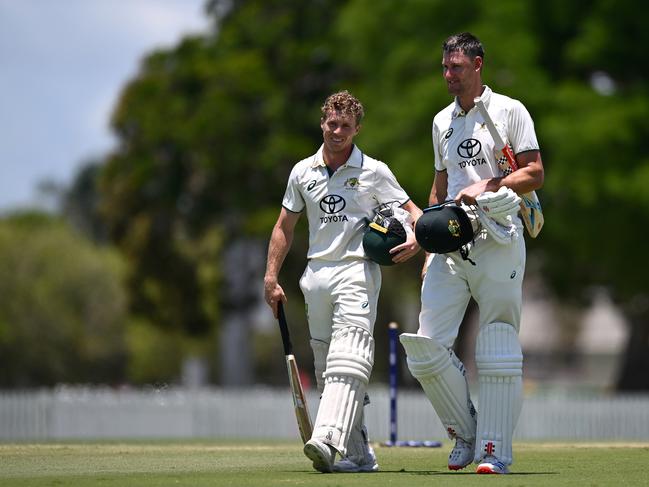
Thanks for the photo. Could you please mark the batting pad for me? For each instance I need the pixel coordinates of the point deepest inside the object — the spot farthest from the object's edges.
(499, 360)
(442, 377)
(320, 350)
(358, 447)
(349, 365)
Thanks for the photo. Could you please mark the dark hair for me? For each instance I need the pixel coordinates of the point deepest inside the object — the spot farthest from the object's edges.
(466, 43)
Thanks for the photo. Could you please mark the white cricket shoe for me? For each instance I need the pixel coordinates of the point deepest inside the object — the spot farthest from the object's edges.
(491, 464)
(321, 454)
(461, 455)
(369, 464)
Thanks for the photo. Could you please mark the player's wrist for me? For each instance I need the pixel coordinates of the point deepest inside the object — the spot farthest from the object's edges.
(270, 280)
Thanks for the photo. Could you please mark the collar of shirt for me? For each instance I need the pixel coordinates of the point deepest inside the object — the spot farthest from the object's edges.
(458, 111)
(355, 158)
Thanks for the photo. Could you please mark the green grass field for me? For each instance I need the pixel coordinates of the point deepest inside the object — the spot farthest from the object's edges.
(267, 464)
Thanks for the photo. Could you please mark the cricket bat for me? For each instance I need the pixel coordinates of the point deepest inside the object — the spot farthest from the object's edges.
(531, 210)
(299, 399)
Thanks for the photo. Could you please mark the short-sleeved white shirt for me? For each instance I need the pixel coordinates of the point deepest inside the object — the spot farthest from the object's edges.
(337, 206)
(465, 149)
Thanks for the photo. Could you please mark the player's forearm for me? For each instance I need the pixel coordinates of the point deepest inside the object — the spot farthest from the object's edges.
(439, 189)
(522, 181)
(413, 209)
(280, 243)
(529, 176)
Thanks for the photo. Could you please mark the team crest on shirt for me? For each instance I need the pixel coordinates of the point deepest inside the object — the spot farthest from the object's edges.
(351, 183)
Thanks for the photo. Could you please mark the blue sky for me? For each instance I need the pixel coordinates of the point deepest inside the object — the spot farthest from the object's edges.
(62, 66)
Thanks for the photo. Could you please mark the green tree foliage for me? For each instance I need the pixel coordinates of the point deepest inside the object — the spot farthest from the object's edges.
(595, 128)
(579, 68)
(63, 308)
(209, 130)
(80, 203)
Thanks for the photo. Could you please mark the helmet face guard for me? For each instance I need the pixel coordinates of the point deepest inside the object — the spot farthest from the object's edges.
(382, 234)
(444, 228)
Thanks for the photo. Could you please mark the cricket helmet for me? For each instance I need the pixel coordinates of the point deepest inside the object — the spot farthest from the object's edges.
(382, 234)
(443, 228)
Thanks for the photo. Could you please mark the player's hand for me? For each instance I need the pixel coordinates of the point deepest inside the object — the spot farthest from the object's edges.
(273, 293)
(406, 250)
(471, 192)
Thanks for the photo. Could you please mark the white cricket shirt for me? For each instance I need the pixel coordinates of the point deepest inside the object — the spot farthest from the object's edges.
(462, 143)
(337, 206)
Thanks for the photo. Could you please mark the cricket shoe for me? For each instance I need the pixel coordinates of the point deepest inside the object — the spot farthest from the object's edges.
(321, 454)
(368, 465)
(461, 455)
(491, 464)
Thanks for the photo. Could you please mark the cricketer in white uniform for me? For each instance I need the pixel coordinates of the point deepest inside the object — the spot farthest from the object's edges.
(338, 187)
(465, 169)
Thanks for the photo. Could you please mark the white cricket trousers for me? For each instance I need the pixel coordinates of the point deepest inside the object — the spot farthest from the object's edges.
(495, 282)
(339, 294)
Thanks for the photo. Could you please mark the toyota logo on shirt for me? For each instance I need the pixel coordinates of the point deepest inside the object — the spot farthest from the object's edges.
(332, 203)
(469, 148)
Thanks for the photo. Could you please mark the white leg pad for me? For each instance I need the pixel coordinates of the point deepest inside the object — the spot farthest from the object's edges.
(320, 350)
(358, 447)
(349, 365)
(499, 360)
(442, 377)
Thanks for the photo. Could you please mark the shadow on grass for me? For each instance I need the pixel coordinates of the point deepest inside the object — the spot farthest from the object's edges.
(422, 472)
(468, 472)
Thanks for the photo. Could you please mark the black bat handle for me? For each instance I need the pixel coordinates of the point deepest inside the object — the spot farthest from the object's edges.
(283, 328)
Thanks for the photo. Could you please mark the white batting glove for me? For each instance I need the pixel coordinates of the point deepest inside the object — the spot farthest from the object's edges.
(501, 205)
(503, 231)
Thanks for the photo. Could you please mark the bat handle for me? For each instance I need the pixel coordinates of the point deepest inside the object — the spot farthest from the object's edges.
(511, 158)
(283, 328)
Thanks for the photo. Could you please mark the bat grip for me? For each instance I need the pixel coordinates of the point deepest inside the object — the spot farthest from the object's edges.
(283, 328)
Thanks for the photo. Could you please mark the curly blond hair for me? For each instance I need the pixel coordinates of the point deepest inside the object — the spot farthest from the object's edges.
(343, 102)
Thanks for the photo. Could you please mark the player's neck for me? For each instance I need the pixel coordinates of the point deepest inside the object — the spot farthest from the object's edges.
(334, 160)
(466, 99)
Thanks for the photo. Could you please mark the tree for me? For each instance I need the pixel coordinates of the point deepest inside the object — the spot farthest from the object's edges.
(579, 68)
(207, 134)
(209, 130)
(80, 203)
(595, 128)
(63, 306)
